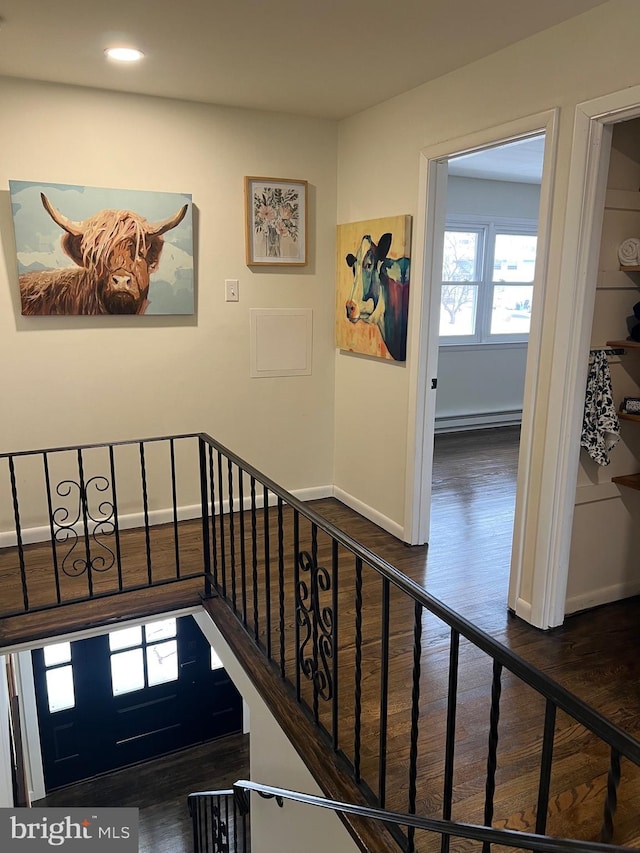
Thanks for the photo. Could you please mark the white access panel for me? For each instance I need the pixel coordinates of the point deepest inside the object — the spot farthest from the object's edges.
(281, 342)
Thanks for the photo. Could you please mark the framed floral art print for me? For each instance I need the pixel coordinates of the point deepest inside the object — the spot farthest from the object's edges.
(276, 221)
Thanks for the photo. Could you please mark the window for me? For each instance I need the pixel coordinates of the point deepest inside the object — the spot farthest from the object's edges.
(143, 656)
(487, 280)
(59, 677)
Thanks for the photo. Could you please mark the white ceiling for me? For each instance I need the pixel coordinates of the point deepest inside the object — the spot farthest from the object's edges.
(328, 58)
(519, 161)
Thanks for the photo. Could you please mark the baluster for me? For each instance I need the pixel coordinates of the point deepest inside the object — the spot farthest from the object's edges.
(281, 585)
(116, 525)
(232, 534)
(314, 618)
(243, 554)
(85, 522)
(204, 510)
(357, 726)
(254, 560)
(16, 517)
(267, 570)
(145, 501)
(174, 500)
(415, 714)
(223, 552)
(296, 582)
(492, 756)
(450, 742)
(214, 529)
(384, 693)
(334, 642)
(545, 767)
(54, 550)
(611, 802)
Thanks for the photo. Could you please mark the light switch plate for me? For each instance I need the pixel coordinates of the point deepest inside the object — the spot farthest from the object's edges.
(231, 291)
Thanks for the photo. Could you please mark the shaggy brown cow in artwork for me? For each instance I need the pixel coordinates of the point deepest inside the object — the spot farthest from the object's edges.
(116, 251)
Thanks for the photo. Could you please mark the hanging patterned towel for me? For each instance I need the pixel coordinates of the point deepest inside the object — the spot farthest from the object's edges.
(600, 425)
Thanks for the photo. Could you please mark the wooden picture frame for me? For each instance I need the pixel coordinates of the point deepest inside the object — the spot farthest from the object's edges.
(275, 221)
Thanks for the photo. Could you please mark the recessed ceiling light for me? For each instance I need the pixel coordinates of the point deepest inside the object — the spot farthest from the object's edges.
(124, 54)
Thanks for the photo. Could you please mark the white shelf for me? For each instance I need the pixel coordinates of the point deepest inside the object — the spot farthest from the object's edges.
(622, 200)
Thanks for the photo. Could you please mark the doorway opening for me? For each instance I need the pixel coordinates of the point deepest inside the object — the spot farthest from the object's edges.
(494, 310)
(489, 242)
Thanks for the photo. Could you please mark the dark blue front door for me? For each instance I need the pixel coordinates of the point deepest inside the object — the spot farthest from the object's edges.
(127, 696)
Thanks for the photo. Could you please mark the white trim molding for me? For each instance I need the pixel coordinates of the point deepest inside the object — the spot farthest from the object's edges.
(369, 512)
(547, 539)
(423, 344)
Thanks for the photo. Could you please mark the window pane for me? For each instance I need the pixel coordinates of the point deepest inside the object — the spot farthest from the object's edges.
(511, 314)
(460, 256)
(124, 638)
(514, 257)
(162, 662)
(60, 688)
(127, 672)
(458, 309)
(58, 653)
(216, 663)
(160, 630)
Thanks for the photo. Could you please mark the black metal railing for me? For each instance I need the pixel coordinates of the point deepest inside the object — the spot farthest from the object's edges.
(443, 830)
(332, 618)
(219, 821)
(79, 523)
(405, 692)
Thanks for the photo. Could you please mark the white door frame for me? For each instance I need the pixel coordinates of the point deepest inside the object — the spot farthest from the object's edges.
(550, 535)
(423, 342)
(544, 508)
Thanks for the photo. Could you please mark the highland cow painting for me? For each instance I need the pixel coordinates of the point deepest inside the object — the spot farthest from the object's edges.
(372, 304)
(98, 251)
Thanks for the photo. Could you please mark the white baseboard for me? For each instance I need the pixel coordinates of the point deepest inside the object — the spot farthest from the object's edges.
(477, 420)
(127, 521)
(315, 493)
(368, 512)
(604, 595)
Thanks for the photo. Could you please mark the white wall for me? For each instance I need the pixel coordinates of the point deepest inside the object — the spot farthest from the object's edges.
(378, 172)
(275, 762)
(484, 385)
(82, 379)
(480, 385)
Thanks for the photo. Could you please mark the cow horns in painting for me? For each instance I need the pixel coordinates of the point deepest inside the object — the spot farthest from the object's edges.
(115, 252)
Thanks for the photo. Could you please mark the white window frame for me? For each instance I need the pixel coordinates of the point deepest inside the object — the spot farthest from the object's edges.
(488, 227)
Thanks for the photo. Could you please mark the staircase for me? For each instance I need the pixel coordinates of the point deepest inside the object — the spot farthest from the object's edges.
(395, 702)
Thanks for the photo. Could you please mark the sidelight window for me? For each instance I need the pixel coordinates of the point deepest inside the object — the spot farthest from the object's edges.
(59, 677)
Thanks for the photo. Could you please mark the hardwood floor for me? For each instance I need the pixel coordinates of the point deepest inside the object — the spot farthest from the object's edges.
(466, 565)
(159, 789)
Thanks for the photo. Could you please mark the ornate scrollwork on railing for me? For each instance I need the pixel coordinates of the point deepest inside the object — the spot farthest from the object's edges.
(316, 648)
(219, 831)
(98, 523)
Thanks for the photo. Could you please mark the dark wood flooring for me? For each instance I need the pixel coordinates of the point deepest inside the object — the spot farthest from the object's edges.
(466, 565)
(159, 789)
